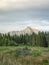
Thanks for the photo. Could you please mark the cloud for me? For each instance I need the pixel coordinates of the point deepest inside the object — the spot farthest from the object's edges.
(34, 13)
(42, 25)
(21, 4)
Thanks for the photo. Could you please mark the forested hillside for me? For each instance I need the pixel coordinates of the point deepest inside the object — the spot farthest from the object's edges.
(41, 39)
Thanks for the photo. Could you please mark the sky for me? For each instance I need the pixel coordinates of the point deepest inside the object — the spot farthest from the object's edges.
(18, 14)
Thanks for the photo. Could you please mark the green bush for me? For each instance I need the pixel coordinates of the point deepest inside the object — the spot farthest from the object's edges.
(45, 60)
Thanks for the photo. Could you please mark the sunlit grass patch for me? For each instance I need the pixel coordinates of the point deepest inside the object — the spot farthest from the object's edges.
(36, 53)
(46, 50)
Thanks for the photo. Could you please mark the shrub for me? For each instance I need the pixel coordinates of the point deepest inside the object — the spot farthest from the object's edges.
(45, 60)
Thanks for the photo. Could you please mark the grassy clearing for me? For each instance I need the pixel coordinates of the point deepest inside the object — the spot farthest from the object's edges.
(17, 55)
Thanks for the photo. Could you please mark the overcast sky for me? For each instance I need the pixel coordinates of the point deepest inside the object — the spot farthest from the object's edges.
(18, 14)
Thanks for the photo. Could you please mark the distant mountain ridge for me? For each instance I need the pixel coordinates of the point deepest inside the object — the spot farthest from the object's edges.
(27, 30)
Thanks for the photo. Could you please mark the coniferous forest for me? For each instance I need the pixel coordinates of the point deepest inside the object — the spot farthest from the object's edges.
(41, 39)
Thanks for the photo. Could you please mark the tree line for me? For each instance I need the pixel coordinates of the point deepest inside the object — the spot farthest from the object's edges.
(41, 39)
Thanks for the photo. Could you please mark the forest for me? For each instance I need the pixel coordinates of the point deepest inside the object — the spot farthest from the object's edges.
(41, 39)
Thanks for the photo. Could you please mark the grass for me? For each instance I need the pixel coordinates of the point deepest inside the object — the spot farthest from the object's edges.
(11, 56)
(36, 53)
(46, 50)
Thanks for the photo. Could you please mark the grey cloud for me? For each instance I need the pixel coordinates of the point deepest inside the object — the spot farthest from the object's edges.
(27, 14)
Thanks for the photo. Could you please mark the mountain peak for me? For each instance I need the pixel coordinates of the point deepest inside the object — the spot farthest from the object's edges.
(27, 30)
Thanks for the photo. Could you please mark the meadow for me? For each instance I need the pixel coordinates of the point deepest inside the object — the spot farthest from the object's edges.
(24, 55)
